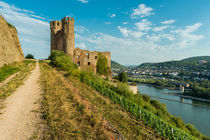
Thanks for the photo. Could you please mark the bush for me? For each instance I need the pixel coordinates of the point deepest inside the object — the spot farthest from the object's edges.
(133, 84)
(124, 90)
(63, 62)
(156, 104)
(102, 65)
(29, 56)
(123, 77)
(149, 108)
(10, 25)
(146, 98)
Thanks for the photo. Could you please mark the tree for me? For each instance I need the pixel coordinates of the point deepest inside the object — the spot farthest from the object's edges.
(102, 65)
(123, 77)
(29, 56)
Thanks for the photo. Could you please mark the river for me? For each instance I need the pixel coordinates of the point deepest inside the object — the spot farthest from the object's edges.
(190, 113)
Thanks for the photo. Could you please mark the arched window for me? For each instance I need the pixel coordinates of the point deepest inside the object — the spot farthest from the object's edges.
(88, 63)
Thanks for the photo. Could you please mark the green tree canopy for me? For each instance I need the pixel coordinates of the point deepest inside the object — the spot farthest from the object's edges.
(29, 56)
(123, 77)
(102, 65)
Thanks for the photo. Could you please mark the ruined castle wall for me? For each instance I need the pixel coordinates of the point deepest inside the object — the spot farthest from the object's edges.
(63, 39)
(85, 58)
(10, 48)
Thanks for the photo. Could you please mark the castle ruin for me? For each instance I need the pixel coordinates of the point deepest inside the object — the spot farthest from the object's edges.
(63, 39)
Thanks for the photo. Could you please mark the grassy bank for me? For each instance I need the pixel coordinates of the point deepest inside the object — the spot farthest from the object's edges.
(84, 108)
(150, 112)
(15, 82)
(66, 116)
(10, 69)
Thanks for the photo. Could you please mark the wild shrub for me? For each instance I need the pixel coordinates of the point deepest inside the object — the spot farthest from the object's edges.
(63, 62)
(146, 98)
(29, 56)
(102, 65)
(123, 77)
(156, 104)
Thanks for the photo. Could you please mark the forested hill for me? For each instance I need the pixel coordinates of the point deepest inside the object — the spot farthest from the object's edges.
(116, 65)
(192, 62)
(197, 58)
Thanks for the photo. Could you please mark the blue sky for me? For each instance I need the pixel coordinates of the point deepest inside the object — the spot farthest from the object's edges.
(134, 31)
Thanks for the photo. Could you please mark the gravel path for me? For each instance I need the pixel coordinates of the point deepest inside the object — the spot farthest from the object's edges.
(19, 118)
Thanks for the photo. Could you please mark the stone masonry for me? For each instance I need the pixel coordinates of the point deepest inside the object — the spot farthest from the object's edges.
(63, 39)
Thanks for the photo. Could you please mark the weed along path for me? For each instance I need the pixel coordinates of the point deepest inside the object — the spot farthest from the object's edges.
(19, 118)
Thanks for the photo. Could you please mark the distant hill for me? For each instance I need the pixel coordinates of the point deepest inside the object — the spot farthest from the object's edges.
(192, 62)
(206, 58)
(116, 65)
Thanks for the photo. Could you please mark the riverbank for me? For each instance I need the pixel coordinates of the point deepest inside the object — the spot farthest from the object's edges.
(194, 112)
(189, 97)
(176, 94)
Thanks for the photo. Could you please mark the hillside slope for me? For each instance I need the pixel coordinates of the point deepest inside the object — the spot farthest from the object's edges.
(192, 62)
(84, 113)
(206, 58)
(116, 65)
(10, 48)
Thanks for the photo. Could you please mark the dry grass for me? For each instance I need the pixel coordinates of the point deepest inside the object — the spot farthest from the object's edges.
(65, 115)
(125, 123)
(73, 110)
(15, 82)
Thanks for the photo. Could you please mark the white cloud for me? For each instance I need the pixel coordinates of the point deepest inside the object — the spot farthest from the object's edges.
(168, 21)
(81, 45)
(81, 29)
(107, 23)
(125, 23)
(144, 25)
(33, 30)
(153, 38)
(161, 28)
(113, 15)
(137, 34)
(142, 11)
(124, 31)
(83, 1)
(186, 36)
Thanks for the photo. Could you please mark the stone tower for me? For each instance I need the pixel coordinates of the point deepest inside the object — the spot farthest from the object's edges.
(62, 35)
(62, 39)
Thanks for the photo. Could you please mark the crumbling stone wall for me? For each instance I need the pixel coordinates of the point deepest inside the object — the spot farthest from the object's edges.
(85, 58)
(62, 38)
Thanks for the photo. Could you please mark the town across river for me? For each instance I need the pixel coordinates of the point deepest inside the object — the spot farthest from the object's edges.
(191, 111)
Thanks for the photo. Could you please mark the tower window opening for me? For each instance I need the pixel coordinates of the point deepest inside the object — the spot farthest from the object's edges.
(87, 54)
(53, 23)
(58, 23)
(78, 63)
(77, 56)
(88, 63)
(96, 57)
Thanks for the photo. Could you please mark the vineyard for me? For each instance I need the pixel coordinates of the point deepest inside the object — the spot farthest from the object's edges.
(161, 127)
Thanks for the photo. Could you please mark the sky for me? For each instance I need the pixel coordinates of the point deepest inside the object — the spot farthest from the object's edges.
(134, 31)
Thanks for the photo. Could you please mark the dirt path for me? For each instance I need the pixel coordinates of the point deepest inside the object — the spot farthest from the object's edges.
(19, 118)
